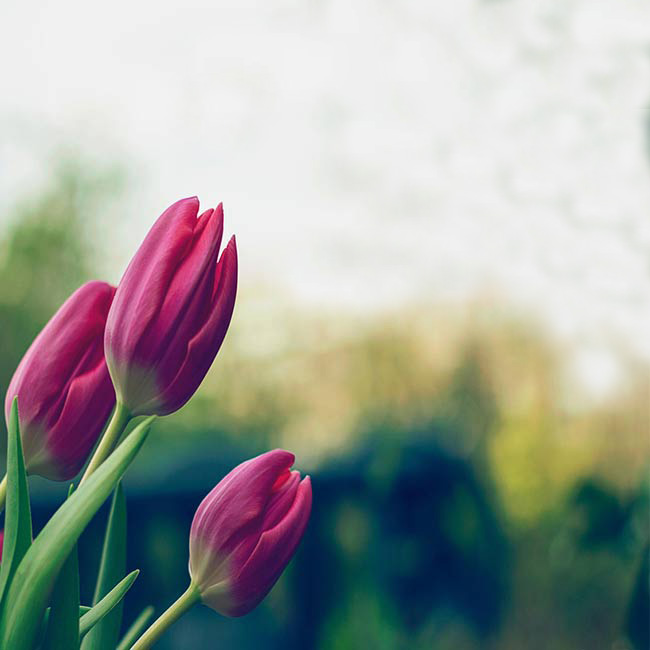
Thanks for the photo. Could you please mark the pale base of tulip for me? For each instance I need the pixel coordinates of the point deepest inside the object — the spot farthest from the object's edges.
(136, 387)
(211, 572)
(38, 459)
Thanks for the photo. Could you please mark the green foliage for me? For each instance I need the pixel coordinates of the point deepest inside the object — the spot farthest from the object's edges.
(104, 607)
(18, 521)
(137, 628)
(63, 618)
(63, 621)
(112, 566)
(29, 591)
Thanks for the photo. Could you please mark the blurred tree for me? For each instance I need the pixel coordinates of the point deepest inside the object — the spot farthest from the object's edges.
(45, 255)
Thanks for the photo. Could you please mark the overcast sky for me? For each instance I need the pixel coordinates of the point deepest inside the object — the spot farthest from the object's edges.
(368, 153)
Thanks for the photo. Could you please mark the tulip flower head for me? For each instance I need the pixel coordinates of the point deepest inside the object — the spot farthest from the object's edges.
(246, 530)
(171, 310)
(63, 387)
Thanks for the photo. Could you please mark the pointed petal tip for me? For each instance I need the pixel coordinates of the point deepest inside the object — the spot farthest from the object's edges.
(189, 203)
(188, 199)
(289, 457)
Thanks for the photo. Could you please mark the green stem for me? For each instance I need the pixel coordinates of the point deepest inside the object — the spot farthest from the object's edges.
(158, 627)
(120, 419)
(3, 493)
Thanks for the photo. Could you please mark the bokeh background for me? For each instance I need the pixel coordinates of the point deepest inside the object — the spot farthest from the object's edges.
(443, 218)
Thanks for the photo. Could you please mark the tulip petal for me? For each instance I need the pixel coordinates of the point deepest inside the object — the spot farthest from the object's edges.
(69, 454)
(143, 287)
(268, 560)
(55, 353)
(185, 299)
(63, 385)
(204, 345)
(238, 500)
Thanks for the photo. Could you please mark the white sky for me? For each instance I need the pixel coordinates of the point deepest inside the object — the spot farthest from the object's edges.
(368, 153)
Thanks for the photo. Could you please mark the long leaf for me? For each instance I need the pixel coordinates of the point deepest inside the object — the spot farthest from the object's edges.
(63, 625)
(136, 629)
(107, 603)
(105, 634)
(63, 621)
(28, 593)
(18, 518)
(46, 620)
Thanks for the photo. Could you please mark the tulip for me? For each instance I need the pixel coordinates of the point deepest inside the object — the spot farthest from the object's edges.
(171, 310)
(243, 535)
(246, 530)
(63, 387)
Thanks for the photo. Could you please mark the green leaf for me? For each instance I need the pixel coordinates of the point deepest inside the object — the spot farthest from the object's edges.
(136, 629)
(36, 573)
(107, 603)
(63, 624)
(104, 635)
(63, 620)
(18, 518)
(46, 619)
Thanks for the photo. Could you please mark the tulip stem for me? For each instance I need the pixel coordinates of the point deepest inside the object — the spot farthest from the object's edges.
(3, 493)
(158, 627)
(116, 426)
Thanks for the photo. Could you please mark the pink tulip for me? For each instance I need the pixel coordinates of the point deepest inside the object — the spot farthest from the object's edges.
(63, 387)
(246, 530)
(171, 310)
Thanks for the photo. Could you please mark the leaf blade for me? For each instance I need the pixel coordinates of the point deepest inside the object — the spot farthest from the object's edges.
(35, 575)
(112, 566)
(107, 603)
(63, 624)
(63, 620)
(18, 519)
(136, 629)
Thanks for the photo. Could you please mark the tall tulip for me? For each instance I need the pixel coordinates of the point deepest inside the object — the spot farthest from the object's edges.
(243, 535)
(171, 310)
(63, 387)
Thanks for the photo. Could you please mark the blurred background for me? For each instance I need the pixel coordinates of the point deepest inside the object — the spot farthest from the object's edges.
(443, 218)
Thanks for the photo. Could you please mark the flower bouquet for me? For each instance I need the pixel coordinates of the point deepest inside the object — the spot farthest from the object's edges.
(137, 351)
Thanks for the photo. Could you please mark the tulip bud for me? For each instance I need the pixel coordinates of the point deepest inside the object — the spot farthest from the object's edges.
(63, 387)
(171, 310)
(246, 530)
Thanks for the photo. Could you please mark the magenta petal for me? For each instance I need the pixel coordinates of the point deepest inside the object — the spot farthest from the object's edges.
(186, 296)
(143, 287)
(63, 387)
(171, 311)
(238, 499)
(57, 350)
(246, 530)
(69, 454)
(203, 346)
(280, 502)
(271, 555)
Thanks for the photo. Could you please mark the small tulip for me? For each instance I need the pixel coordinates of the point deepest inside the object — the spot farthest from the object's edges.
(171, 310)
(246, 530)
(63, 387)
